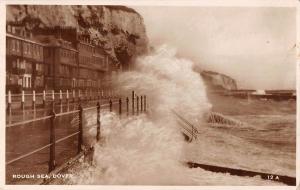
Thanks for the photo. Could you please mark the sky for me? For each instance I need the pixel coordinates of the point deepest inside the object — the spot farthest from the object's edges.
(253, 45)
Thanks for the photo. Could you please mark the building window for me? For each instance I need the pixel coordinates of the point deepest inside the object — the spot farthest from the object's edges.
(14, 64)
(29, 81)
(39, 81)
(26, 82)
(13, 45)
(25, 48)
(18, 46)
(29, 49)
(38, 51)
(18, 64)
(73, 82)
(9, 28)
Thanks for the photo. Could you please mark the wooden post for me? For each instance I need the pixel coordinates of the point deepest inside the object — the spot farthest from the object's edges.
(137, 105)
(110, 105)
(60, 97)
(98, 122)
(52, 142)
(33, 99)
(79, 96)
(73, 95)
(127, 106)
(23, 100)
(132, 102)
(142, 104)
(120, 106)
(44, 98)
(145, 103)
(67, 96)
(53, 98)
(9, 102)
(80, 134)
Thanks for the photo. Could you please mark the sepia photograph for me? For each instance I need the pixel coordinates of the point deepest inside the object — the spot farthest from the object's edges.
(149, 95)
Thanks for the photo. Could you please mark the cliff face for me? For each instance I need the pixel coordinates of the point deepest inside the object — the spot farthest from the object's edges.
(120, 30)
(218, 80)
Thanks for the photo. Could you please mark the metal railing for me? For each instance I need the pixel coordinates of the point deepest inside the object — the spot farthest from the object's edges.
(33, 99)
(189, 129)
(140, 107)
(218, 118)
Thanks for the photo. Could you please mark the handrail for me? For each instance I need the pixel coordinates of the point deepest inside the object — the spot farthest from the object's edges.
(66, 113)
(27, 154)
(186, 121)
(66, 137)
(183, 120)
(28, 121)
(104, 105)
(190, 131)
(187, 129)
(57, 115)
(39, 149)
(89, 108)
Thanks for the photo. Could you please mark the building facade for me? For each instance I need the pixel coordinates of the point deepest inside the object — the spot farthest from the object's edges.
(24, 60)
(54, 63)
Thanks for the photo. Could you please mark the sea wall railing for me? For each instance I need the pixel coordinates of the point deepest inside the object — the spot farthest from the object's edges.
(139, 106)
(33, 99)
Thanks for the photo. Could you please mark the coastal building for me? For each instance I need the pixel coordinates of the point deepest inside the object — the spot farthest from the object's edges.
(24, 59)
(55, 59)
(61, 65)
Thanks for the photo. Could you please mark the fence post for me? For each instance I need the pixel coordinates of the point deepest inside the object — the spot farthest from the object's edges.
(53, 98)
(23, 100)
(132, 102)
(137, 105)
(44, 98)
(52, 142)
(142, 104)
(98, 121)
(60, 97)
(67, 96)
(127, 106)
(80, 134)
(110, 105)
(79, 96)
(73, 95)
(145, 103)
(9, 101)
(120, 106)
(33, 99)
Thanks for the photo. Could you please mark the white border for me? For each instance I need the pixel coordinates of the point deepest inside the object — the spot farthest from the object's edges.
(228, 3)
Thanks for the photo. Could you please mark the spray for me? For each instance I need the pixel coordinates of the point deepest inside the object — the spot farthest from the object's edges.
(149, 149)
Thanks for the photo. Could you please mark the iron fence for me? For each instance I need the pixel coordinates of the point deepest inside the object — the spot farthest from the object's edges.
(76, 121)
